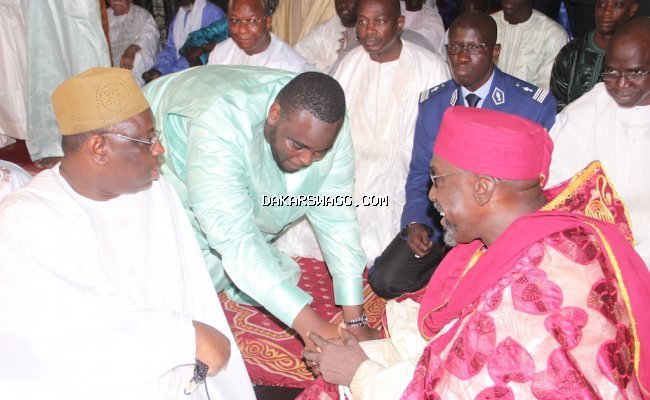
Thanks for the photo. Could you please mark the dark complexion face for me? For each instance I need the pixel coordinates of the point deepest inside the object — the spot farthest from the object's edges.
(452, 196)
(347, 11)
(472, 70)
(133, 166)
(378, 29)
(298, 140)
(610, 14)
(517, 11)
(185, 3)
(120, 7)
(252, 38)
(629, 54)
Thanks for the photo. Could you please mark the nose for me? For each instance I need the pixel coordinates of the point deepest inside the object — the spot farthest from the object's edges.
(432, 194)
(157, 150)
(243, 27)
(306, 157)
(463, 56)
(622, 81)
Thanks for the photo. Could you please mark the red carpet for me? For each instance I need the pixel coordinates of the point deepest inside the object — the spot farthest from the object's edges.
(271, 353)
(17, 154)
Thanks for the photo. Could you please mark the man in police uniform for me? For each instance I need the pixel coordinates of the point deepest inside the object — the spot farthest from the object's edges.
(409, 260)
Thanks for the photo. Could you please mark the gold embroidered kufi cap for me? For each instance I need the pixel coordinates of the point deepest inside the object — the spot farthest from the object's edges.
(97, 98)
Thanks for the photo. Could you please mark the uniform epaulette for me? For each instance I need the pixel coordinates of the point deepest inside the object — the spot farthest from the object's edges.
(430, 92)
(535, 93)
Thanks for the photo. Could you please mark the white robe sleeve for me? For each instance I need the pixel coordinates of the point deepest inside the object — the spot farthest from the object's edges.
(391, 363)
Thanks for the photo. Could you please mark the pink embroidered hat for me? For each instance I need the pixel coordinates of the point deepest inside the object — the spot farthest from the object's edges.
(494, 143)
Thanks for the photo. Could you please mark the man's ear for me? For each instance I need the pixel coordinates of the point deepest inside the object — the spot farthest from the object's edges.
(484, 189)
(269, 23)
(274, 114)
(495, 53)
(400, 23)
(97, 148)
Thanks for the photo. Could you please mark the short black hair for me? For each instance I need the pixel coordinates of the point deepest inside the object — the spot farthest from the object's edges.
(72, 143)
(479, 20)
(318, 93)
(392, 6)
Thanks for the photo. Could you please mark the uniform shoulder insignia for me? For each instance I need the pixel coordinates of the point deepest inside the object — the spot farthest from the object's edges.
(540, 95)
(535, 93)
(431, 92)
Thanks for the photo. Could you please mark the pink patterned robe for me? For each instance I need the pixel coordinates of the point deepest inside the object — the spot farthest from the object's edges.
(553, 310)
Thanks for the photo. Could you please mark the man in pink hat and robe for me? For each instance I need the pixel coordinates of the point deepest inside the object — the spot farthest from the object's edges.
(537, 299)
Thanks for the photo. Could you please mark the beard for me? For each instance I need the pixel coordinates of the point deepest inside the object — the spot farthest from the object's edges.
(274, 150)
(450, 235)
(449, 229)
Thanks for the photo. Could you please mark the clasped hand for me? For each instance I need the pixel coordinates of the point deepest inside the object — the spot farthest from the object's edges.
(337, 360)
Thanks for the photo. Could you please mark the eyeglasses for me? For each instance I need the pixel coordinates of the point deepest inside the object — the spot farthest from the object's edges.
(151, 142)
(471, 48)
(249, 22)
(433, 176)
(635, 75)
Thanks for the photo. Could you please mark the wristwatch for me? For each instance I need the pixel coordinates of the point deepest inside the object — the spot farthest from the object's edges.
(361, 320)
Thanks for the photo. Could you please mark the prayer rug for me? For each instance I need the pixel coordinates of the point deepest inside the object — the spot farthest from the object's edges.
(272, 353)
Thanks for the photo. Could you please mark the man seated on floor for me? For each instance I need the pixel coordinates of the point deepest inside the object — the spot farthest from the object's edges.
(110, 297)
(409, 260)
(529, 41)
(134, 37)
(382, 80)
(259, 151)
(192, 15)
(531, 302)
(252, 43)
(611, 123)
(578, 66)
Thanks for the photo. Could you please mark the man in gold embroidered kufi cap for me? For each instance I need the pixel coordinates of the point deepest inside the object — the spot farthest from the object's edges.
(120, 286)
(95, 99)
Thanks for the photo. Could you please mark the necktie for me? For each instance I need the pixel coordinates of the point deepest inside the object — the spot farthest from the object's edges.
(472, 99)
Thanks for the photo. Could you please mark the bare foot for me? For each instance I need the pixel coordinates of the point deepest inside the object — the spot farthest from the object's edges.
(47, 162)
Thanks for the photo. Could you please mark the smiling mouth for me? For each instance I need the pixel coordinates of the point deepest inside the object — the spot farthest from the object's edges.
(436, 205)
(621, 94)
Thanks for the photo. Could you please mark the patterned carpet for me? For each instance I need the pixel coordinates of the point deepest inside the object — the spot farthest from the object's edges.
(271, 352)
